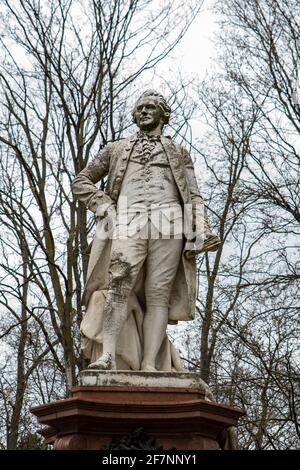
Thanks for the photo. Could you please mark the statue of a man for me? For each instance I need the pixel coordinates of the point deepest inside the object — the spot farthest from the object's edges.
(142, 274)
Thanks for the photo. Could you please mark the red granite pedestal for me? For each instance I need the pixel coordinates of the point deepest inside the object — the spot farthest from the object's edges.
(94, 416)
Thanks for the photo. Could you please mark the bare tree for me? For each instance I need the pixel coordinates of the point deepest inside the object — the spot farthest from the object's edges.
(246, 342)
(262, 57)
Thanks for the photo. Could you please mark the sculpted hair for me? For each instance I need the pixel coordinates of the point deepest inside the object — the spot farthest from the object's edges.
(161, 102)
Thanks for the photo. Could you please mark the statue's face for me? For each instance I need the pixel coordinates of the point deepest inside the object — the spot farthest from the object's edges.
(148, 115)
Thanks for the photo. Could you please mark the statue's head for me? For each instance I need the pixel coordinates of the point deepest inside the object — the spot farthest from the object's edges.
(150, 110)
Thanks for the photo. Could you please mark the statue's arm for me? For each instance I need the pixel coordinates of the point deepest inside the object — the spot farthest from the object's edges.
(84, 184)
(191, 178)
(200, 219)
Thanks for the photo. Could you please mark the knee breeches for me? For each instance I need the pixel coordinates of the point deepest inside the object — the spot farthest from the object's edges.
(161, 258)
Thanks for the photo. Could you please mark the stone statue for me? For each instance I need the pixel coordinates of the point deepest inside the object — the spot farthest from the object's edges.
(151, 223)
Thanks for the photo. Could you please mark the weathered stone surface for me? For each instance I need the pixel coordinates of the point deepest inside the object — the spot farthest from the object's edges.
(100, 378)
(152, 277)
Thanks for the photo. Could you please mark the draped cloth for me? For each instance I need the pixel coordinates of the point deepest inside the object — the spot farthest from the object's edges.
(130, 341)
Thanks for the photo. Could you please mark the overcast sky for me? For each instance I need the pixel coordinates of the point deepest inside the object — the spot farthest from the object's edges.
(197, 50)
(193, 57)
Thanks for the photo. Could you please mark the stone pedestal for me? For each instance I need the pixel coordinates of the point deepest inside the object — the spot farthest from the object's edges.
(108, 409)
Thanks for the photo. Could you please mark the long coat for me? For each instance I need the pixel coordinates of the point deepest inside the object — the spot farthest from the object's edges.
(112, 162)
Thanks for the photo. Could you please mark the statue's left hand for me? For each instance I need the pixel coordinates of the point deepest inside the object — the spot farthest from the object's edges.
(211, 243)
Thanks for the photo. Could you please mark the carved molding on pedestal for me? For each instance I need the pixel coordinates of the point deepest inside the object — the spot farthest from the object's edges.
(136, 440)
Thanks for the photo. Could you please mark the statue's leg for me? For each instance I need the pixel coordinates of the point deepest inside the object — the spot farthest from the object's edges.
(162, 264)
(127, 257)
(115, 313)
(154, 330)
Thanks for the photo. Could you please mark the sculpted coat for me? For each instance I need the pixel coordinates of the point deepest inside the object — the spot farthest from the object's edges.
(112, 161)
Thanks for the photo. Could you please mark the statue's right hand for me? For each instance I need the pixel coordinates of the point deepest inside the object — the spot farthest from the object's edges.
(107, 209)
